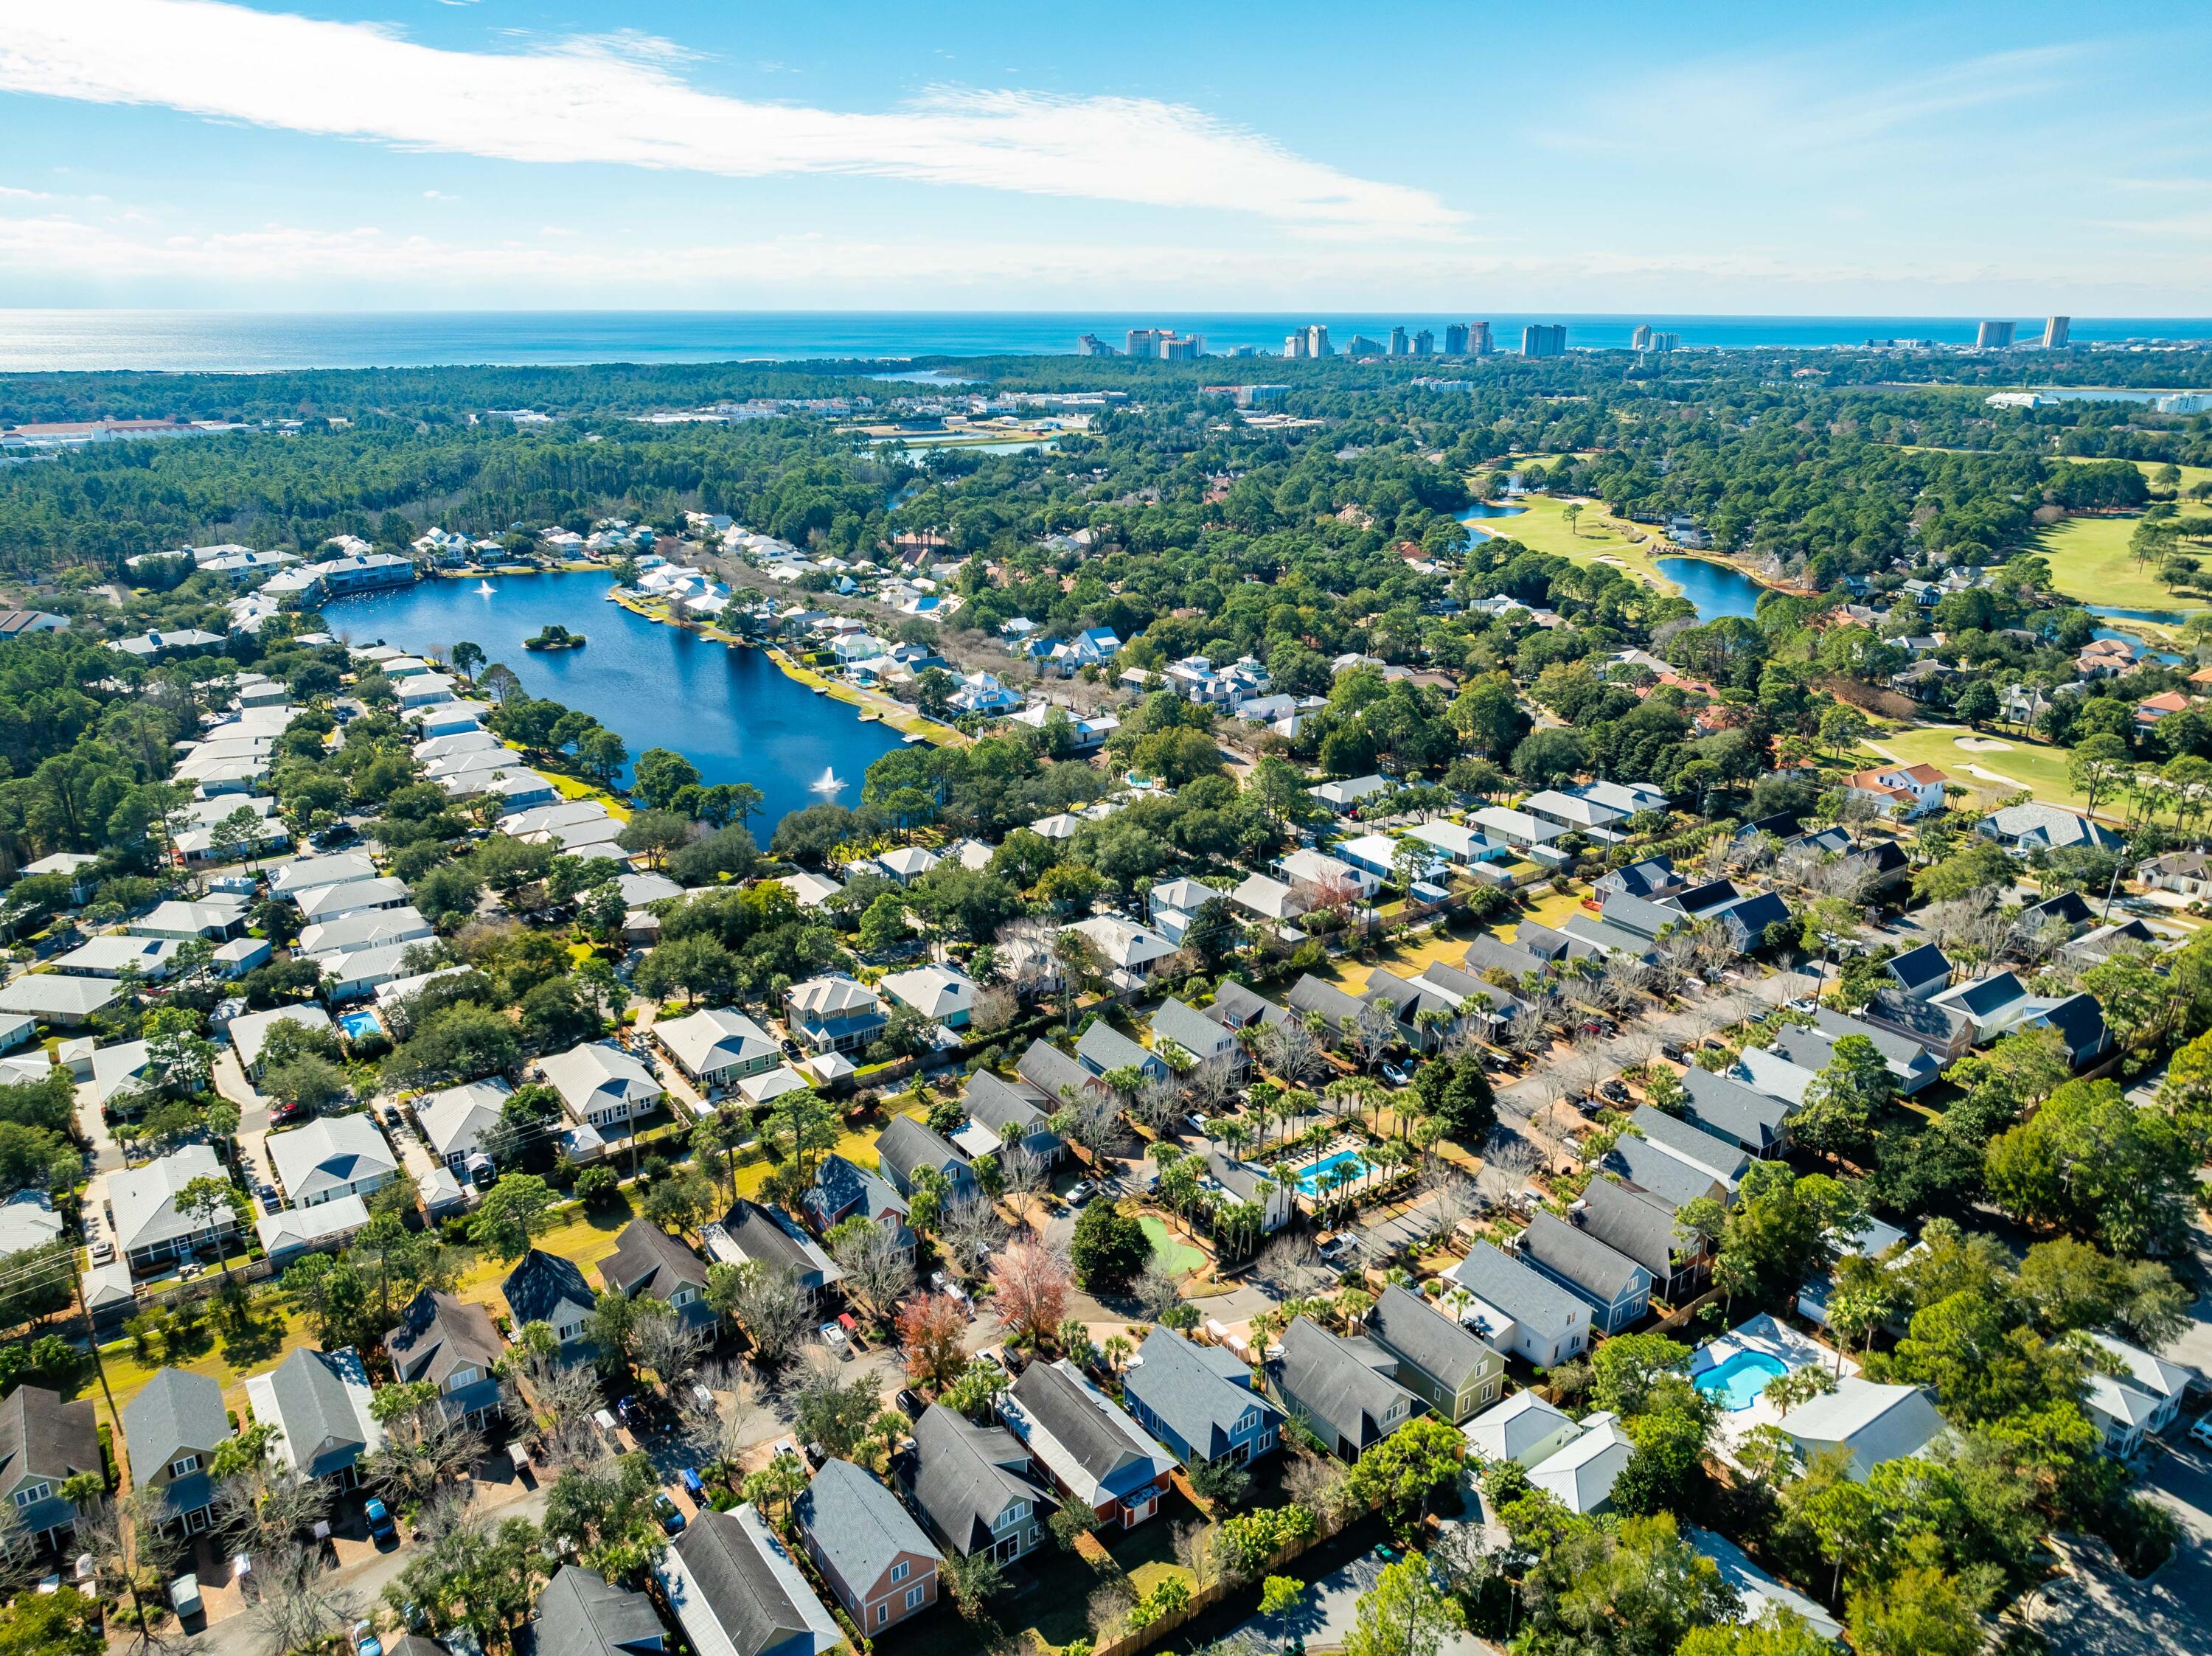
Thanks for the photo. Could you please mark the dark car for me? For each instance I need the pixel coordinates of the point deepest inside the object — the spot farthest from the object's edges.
(630, 1412)
(1616, 1091)
(670, 1514)
(338, 834)
(911, 1403)
(286, 1115)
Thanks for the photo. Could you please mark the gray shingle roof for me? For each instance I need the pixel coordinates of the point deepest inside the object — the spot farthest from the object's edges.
(1199, 1035)
(646, 1260)
(1343, 1382)
(1528, 1296)
(1402, 1322)
(536, 1287)
(1183, 1384)
(1011, 1109)
(1103, 1048)
(1729, 1108)
(907, 1144)
(1310, 994)
(1235, 1003)
(1607, 1277)
(1085, 1436)
(439, 1333)
(746, 1582)
(41, 1434)
(578, 1613)
(175, 1409)
(1051, 1072)
(841, 1188)
(1634, 1224)
(1723, 1158)
(322, 1430)
(1675, 1182)
(774, 1238)
(861, 1526)
(965, 1475)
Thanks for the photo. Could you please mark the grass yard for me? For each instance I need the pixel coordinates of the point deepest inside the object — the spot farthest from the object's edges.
(1349, 972)
(1549, 909)
(2090, 561)
(2036, 766)
(1594, 538)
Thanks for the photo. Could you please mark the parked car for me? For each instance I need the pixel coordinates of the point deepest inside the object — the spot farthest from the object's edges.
(911, 1403)
(670, 1515)
(380, 1526)
(286, 1115)
(1080, 1192)
(2202, 1431)
(1616, 1091)
(630, 1412)
(103, 1250)
(1197, 1124)
(1802, 1004)
(1395, 1073)
(365, 1642)
(184, 1597)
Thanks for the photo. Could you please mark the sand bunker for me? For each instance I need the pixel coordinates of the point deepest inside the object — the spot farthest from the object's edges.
(1983, 744)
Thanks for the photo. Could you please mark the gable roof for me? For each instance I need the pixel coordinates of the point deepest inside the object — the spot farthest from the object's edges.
(1313, 994)
(860, 1526)
(1529, 1297)
(965, 1475)
(1189, 1028)
(1103, 1048)
(1722, 1158)
(736, 1592)
(176, 1409)
(715, 1039)
(646, 1260)
(1347, 1383)
(1404, 1322)
(1675, 1182)
(1921, 971)
(907, 1143)
(440, 1332)
(1189, 1387)
(773, 1237)
(1052, 1071)
(1634, 1224)
(578, 1614)
(597, 1075)
(1011, 1109)
(541, 1283)
(321, 1400)
(1089, 1444)
(1727, 1108)
(39, 1433)
(330, 1153)
(1608, 1278)
(1237, 1005)
(1518, 1427)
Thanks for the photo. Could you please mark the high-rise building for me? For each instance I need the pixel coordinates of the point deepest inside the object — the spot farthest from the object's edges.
(1454, 339)
(1360, 345)
(1641, 339)
(1294, 345)
(1091, 345)
(1317, 340)
(1398, 345)
(2055, 329)
(1666, 342)
(1478, 339)
(1537, 340)
(1145, 342)
(1993, 336)
(1182, 348)
(1424, 343)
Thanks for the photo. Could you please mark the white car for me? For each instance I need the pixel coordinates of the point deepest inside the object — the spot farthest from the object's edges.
(2202, 1431)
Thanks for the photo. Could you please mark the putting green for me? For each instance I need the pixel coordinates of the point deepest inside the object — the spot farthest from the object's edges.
(1170, 1252)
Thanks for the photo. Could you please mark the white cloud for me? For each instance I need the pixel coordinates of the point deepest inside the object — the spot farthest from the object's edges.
(438, 195)
(10, 193)
(617, 99)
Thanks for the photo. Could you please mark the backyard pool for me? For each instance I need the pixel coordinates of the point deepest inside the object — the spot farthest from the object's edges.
(361, 1025)
(1344, 1163)
(1738, 1379)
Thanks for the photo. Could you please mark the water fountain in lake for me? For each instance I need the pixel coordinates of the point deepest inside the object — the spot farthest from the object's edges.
(828, 782)
(485, 589)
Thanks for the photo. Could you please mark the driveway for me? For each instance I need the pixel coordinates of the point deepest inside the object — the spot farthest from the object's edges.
(1329, 1611)
(2096, 1610)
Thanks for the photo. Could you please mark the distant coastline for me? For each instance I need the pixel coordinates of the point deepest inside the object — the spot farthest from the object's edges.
(85, 340)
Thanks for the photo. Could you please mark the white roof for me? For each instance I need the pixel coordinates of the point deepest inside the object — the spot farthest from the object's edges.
(714, 1040)
(830, 995)
(1310, 867)
(907, 861)
(331, 1152)
(329, 902)
(27, 1220)
(454, 1119)
(809, 890)
(1581, 1472)
(1517, 826)
(249, 1030)
(106, 957)
(2147, 1372)
(144, 1198)
(1522, 1427)
(935, 991)
(772, 1083)
(1270, 898)
(597, 1074)
(313, 873)
(1123, 943)
(290, 1229)
(1184, 896)
(1875, 1422)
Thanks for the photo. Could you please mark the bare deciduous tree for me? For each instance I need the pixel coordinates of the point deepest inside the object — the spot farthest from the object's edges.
(299, 1608)
(667, 1345)
(1289, 1050)
(878, 1273)
(970, 1228)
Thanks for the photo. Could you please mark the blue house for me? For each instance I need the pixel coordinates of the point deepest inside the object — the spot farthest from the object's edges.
(1199, 1400)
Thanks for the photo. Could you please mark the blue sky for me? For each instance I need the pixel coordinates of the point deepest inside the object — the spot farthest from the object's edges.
(438, 153)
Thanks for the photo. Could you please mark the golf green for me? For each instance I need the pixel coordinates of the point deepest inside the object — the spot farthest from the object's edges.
(1170, 1254)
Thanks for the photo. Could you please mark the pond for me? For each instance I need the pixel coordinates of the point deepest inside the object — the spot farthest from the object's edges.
(729, 710)
(1716, 589)
(1472, 517)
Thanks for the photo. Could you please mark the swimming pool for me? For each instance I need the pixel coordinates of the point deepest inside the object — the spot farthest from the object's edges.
(1344, 1163)
(1738, 1379)
(361, 1025)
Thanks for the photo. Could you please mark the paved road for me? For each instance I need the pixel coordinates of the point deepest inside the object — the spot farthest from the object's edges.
(2098, 1612)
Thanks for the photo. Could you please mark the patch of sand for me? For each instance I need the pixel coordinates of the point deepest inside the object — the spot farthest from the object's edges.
(1982, 744)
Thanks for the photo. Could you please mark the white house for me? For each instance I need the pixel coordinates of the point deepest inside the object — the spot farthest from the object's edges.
(331, 1157)
(601, 1084)
(1133, 951)
(943, 994)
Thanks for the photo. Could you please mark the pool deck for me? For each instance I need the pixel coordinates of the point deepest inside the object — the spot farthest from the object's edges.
(1768, 1338)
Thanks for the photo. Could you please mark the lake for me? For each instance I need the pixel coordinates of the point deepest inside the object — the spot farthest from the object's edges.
(730, 711)
(1715, 588)
(1472, 517)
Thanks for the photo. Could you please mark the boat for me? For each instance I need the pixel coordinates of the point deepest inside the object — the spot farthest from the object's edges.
(822, 689)
(913, 737)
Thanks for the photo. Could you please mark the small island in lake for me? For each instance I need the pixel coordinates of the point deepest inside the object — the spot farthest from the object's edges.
(554, 636)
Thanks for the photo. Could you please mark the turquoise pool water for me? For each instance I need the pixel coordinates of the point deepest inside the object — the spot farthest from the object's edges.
(359, 1024)
(1344, 1161)
(1739, 1379)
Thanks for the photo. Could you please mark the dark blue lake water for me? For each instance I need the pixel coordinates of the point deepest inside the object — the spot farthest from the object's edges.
(1715, 588)
(730, 711)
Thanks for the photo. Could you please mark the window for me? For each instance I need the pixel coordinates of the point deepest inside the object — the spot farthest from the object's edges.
(185, 1467)
(1016, 1513)
(882, 1614)
(32, 1493)
(461, 1377)
(899, 1571)
(914, 1598)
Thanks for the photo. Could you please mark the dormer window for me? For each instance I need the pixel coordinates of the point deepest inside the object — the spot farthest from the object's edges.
(461, 1377)
(184, 1466)
(31, 1493)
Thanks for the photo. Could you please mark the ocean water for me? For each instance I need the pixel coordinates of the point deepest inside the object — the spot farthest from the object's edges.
(41, 341)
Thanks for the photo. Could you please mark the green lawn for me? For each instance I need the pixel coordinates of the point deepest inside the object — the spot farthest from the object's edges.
(2090, 561)
(2034, 765)
(1170, 1252)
